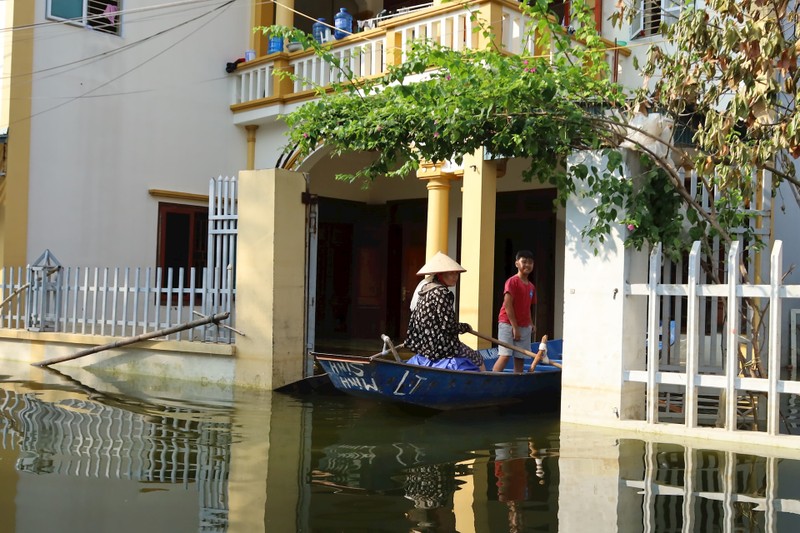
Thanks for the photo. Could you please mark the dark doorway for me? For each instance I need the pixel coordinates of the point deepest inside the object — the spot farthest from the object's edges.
(182, 240)
(368, 257)
(527, 220)
(407, 232)
(351, 273)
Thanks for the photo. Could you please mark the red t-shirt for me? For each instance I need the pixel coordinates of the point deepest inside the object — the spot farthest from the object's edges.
(524, 294)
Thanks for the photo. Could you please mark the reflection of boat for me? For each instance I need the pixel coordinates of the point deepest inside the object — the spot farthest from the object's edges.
(394, 380)
(381, 448)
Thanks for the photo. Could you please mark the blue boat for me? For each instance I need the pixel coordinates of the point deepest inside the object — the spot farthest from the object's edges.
(386, 378)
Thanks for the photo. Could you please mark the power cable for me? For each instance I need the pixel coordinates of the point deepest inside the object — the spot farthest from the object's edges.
(61, 22)
(105, 55)
(161, 52)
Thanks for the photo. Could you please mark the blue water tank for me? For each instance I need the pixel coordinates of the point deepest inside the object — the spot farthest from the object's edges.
(275, 44)
(344, 23)
(318, 30)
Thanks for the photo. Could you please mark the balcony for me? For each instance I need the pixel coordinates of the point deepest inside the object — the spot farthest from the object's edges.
(260, 94)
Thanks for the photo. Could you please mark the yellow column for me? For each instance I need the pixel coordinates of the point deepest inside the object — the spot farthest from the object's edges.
(282, 85)
(492, 14)
(251, 146)
(477, 245)
(284, 16)
(262, 14)
(15, 185)
(394, 48)
(438, 206)
(270, 278)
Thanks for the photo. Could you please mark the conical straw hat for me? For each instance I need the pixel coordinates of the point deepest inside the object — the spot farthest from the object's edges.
(440, 263)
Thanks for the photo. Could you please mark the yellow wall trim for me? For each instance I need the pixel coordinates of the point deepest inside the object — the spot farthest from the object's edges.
(178, 195)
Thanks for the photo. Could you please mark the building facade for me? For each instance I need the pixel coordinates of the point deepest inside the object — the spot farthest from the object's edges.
(118, 113)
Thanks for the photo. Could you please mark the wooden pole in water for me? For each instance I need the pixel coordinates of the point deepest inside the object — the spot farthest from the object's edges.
(131, 340)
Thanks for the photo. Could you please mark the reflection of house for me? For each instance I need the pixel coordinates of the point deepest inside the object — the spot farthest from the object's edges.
(658, 484)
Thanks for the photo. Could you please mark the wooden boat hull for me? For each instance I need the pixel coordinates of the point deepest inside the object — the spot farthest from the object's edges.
(435, 388)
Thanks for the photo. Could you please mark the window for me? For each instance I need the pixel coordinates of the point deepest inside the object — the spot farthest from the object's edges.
(651, 13)
(100, 15)
(182, 241)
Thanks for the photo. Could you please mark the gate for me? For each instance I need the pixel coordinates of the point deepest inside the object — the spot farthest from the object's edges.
(220, 278)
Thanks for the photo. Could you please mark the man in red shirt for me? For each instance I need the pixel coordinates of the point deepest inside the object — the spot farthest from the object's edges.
(515, 324)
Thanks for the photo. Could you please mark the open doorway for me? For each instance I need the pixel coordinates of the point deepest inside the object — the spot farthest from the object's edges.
(526, 220)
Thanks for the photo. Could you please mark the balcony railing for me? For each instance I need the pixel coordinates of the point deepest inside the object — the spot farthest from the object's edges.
(258, 83)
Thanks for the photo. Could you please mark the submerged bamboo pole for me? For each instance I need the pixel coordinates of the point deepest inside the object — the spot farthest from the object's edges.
(131, 340)
(19, 290)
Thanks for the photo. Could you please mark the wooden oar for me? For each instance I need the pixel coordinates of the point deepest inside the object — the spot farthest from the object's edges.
(509, 346)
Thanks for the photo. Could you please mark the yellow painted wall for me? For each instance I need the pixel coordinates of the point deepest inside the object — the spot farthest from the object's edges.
(14, 208)
(5, 65)
(270, 278)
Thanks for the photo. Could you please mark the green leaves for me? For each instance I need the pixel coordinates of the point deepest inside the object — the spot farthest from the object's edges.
(518, 106)
(722, 75)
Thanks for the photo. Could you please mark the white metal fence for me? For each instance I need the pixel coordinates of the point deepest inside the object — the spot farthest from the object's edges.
(721, 362)
(115, 301)
(130, 301)
(219, 286)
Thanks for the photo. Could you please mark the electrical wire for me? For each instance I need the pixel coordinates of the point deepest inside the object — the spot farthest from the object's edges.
(61, 22)
(217, 11)
(104, 55)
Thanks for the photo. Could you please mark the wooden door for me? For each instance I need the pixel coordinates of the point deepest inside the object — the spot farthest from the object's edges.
(413, 259)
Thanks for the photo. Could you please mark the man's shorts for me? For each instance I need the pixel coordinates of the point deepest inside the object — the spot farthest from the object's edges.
(506, 334)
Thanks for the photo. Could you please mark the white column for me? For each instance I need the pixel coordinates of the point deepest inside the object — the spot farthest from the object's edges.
(604, 330)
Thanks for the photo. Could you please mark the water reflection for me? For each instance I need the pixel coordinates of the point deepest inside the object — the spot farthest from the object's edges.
(80, 437)
(126, 456)
(439, 471)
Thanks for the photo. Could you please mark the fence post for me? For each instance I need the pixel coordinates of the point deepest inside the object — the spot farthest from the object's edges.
(774, 355)
(692, 336)
(732, 331)
(653, 352)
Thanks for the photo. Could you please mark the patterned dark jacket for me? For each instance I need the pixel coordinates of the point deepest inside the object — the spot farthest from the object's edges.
(433, 330)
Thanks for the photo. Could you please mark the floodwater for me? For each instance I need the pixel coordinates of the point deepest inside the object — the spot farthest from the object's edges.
(89, 453)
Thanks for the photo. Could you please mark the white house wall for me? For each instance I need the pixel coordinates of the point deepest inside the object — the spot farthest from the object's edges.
(105, 130)
(786, 223)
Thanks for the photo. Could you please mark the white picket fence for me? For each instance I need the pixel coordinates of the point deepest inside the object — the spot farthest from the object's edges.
(115, 301)
(130, 301)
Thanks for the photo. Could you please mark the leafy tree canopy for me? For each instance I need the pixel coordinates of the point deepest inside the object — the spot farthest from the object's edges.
(726, 69)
